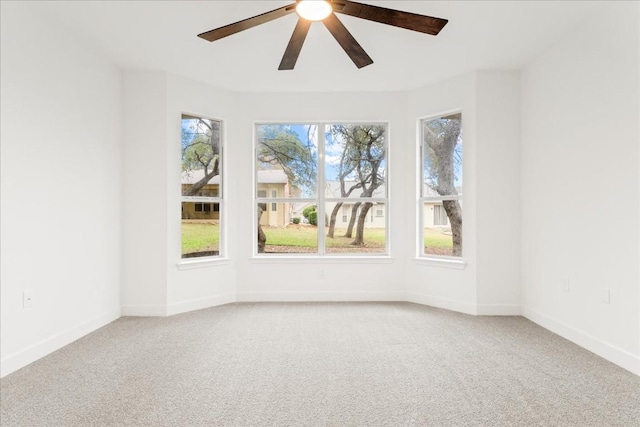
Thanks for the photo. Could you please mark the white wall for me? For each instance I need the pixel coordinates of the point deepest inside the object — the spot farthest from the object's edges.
(301, 279)
(490, 288)
(155, 283)
(61, 187)
(489, 282)
(144, 250)
(580, 186)
(214, 283)
(498, 192)
(439, 286)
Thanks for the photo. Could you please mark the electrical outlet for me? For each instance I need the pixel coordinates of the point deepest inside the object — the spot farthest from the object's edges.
(321, 274)
(566, 284)
(605, 296)
(27, 299)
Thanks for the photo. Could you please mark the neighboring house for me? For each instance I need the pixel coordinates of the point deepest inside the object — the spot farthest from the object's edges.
(271, 184)
(434, 215)
(200, 210)
(274, 184)
(375, 216)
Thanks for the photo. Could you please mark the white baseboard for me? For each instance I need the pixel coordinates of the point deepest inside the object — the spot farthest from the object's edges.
(603, 349)
(319, 296)
(144, 310)
(449, 304)
(200, 303)
(499, 310)
(30, 354)
(466, 307)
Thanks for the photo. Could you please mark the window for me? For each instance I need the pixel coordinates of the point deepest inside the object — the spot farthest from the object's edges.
(439, 216)
(206, 207)
(202, 187)
(203, 207)
(333, 176)
(440, 202)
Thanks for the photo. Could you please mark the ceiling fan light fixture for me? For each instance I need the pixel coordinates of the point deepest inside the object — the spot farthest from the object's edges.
(313, 10)
(323, 10)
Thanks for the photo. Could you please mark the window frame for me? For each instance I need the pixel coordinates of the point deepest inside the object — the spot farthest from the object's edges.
(211, 201)
(425, 258)
(320, 199)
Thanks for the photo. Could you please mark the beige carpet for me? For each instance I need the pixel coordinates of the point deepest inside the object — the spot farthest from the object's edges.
(321, 364)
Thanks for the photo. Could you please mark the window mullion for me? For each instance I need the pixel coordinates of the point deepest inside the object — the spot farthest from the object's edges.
(321, 188)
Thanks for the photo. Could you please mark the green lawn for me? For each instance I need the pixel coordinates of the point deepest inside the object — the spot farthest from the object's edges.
(436, 242)
(303, 236)
(435, 238)
(198, 237)
(306, 236)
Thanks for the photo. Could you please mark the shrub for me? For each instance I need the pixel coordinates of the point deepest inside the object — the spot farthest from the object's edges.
(313, 218)
(307, 211)
(295, 220)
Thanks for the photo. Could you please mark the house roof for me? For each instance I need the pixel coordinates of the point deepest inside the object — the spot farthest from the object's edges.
(332, 189)
(427, 191)
(275, 176)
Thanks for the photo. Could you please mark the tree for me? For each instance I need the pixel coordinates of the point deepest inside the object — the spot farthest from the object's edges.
(200, 151)
(262, 238)
(346, 166)
(279, 147)
(441, 162)
(364, 155)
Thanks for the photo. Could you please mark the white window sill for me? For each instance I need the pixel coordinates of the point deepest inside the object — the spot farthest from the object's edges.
(457, 264)
(277, 259)
(189, 264)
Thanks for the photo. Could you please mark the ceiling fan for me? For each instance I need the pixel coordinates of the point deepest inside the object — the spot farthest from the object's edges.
(325, 11)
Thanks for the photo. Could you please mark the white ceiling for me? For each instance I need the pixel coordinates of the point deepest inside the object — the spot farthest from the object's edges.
(161, 35)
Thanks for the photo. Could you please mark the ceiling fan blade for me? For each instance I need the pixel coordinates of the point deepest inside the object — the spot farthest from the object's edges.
(397, 18)
(346, 40)
(245, 24)
(295, 45)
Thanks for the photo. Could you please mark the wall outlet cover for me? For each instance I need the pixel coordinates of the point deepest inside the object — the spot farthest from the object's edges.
(27, 299)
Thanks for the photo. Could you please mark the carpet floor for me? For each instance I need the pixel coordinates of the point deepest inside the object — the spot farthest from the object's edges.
(321, 364)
